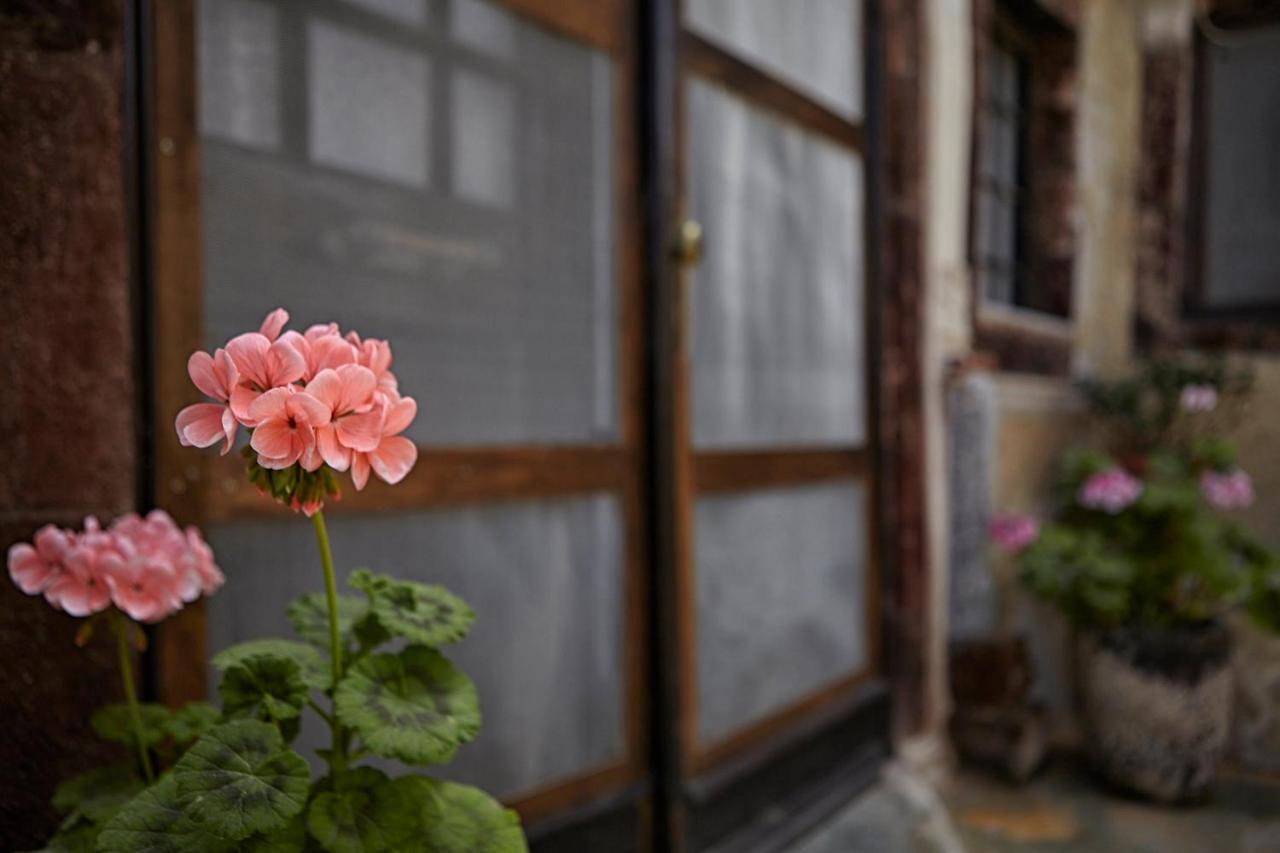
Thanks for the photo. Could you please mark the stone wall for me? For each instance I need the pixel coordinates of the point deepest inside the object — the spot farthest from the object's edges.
(67, 437)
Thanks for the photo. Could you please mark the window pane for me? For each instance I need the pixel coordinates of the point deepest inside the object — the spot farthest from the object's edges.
(813, 45)
(777, 301)
(240, 72)
(781, 586)
(458, 205)
(1243, 205)
(546, 648)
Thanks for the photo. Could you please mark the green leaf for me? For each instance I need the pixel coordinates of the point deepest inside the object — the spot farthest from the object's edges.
(191, 721)
(420, 613)
(266, 687)
(114, 723)
(365, 813)
(98, 794)
(309, 616)
(80, 837)
(413, 706)
(462, 819)
(291, 839)
(313, 665)
(241, 780)
(155, 821)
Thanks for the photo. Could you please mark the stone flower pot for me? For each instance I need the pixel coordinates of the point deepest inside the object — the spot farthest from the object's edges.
(1256, 724)
(1157, 707)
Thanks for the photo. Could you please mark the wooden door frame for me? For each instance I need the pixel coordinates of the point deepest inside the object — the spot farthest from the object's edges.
(198, 487)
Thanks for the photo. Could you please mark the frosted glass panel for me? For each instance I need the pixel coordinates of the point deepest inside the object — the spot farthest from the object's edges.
(239, 72)
(1243, 254)
(813, 45)
(777, 301)
(781, 585)
(458, 203)
(546, 648)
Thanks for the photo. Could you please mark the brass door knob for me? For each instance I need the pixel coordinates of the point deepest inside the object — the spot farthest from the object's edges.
(688, 249)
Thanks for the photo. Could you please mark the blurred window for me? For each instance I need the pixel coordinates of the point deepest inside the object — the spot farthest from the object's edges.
(1241, 171)
(1002, 199)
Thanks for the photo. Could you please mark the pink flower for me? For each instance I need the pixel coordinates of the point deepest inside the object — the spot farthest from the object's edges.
(285, 430)
(83, 589)
(1199, 398)
(354, 422)
(142, 584)
(394, 455)
(376, 355)
(321, 348)
(33, 569)
(1013, 531)
(1110, 491)
(1232, 490)
(263, 365)
(205, 424)
(206, 570)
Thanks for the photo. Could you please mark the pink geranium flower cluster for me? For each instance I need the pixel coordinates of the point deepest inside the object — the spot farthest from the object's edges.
(1230, 490)
(1111, 490)
(1199, 398)
(310, 399)
(147, 567)
(1012, 532)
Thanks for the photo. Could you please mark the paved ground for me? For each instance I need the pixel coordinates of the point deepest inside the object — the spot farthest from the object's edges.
(1065, 810)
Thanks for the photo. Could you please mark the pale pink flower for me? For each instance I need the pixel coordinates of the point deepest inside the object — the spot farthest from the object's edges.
(1110, 491)
(286, 422)
(1013, 531)
(263, 365)
(206, 570)
(273, 323)
(321, 348)
(33, 569)
(376, 355)
(1199, 398)
(83, 589)
(354, 422)
(1232, 490)
(143, 585)
(205, 424)
(394, 455)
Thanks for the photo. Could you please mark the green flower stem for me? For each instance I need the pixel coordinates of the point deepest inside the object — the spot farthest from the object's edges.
(337, 758)
(131, 696)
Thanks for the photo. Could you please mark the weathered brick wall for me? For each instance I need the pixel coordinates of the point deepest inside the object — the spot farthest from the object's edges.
(67, 443)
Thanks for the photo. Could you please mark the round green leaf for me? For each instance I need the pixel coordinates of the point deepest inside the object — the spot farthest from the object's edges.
(462, 819)
(420, 613)
(265, 687)
(413, 706)
(291, 839)
(365, 813)
(114, 723)
(309, 616)
(313, 665)
(98, 794)
(156, 821)
(191, 721)
(240, 779)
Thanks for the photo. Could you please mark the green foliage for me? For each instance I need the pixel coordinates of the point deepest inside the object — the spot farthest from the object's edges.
(158, 821)
(365, 813)
(190, 722)
(462, 819)
(264, 687)
(240, 779)
(308, 614)
(419, 613)
(113, 723)
(412, 706)
(311, 663)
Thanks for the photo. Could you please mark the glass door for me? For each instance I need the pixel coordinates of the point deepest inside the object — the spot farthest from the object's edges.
(777, 574)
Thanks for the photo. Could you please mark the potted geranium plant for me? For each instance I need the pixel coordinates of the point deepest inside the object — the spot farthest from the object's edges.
(1141, 555)
(370, 666)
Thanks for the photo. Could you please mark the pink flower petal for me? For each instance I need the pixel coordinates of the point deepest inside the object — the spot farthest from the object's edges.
(274, 440)
(249, 353)
(31, 573)
(399, 415)
(326, 387)
(307, 409)
(201, 425)
(271, 405)
(334, 454)
(393, 459)
(360, 432)
(284, 364)
(201, 368)
(359, 470)
(273, 323)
